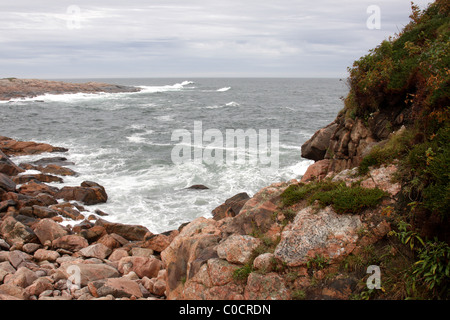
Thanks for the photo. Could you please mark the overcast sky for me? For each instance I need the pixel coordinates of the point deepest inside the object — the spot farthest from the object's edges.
(191, 38)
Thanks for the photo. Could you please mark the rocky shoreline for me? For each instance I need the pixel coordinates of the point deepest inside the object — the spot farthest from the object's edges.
(253, 248)
(13, 88)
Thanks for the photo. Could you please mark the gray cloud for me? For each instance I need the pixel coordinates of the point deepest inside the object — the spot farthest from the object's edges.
(190, 38)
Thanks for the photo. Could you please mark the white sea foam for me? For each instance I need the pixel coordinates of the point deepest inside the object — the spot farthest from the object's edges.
(232, 104)
(223, 89)
(173, 87)
(133, 163)
(71, 97)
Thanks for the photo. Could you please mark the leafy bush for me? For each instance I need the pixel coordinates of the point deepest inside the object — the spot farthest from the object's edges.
(350, 199)
(433, 268)
(298, 192)
(427, 172)
(343, 199)
(411, 68)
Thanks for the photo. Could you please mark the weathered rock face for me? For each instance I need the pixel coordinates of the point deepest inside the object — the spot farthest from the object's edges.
(316, 147)
(183, 258)
(266, 287)
(257, 212)
(345, 141)
(231, 207)
(238, 248)
(322, 232)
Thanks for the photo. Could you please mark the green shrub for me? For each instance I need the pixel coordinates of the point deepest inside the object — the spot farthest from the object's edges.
(318, 262)
(433, 268)
(343, 199)
(354, 199)
(427, 172)
(302, 191)
(242, 273)
(368, 161)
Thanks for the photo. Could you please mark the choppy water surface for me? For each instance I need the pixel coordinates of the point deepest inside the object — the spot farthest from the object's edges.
(123, 141)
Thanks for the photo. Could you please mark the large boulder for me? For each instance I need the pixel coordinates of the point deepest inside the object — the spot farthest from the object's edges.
(317, 171)
(318, 232)
(97, 250)
(83, 273)
(19, 148)
(238, 248)
(117, 287)
(6, 183)
(142, 266)
(70, 242)
(231, 207)
(34, 187)
(195, 245)
(39, 177)
(89, 193)
(129, 232)
(316, 147)
(7, 166)
(48, 230)
(257, 213)
(266, 287)
(14, 231)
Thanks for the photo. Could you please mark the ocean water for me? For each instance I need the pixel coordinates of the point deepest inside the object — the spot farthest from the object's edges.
(124, 141)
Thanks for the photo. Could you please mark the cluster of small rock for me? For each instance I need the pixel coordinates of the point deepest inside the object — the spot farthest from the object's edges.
(40, 259)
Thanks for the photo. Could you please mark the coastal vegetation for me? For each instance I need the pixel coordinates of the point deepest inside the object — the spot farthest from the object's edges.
(377, 195)
(406, 79)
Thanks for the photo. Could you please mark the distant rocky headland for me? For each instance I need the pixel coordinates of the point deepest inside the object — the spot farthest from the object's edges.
(13, 88)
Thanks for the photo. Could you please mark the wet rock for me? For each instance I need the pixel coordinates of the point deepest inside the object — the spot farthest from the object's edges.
(11, 147)
(39, 177)
(89, 193)
(198, 187)
(33, 188)
(52, 160)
